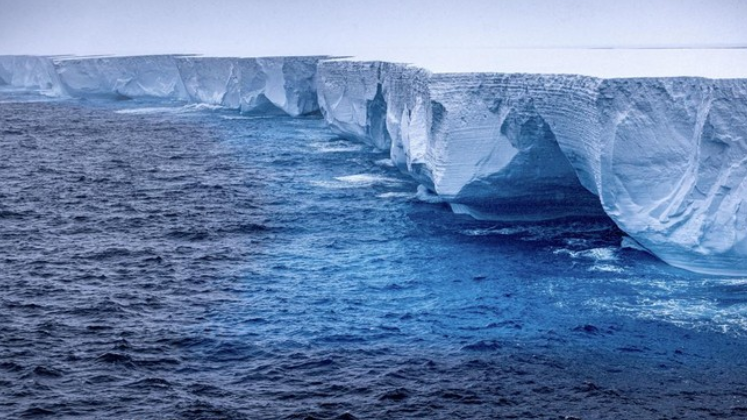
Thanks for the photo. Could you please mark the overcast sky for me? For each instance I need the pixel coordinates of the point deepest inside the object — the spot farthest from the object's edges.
(351, 27)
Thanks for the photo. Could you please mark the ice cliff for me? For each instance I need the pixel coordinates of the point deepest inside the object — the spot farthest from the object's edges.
(476, 140)
(269, 84)
(668, 159)
(664, 157)
(30, 73)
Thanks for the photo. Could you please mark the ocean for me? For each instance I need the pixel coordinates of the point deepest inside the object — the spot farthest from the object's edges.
(169, 261)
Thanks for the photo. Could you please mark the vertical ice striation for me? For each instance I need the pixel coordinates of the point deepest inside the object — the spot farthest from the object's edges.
(211, 80)
(669, 162)
(30, 72)
(253, 85)
(409, 120)
(385, 105)
(351, 98)
(284, 83)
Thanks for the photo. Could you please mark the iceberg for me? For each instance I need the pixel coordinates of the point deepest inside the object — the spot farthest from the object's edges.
(664, 157)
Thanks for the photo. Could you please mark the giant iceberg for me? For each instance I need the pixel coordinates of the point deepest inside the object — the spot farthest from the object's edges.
(665, 157)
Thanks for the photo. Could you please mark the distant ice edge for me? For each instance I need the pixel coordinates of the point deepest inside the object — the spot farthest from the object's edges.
(665, 158)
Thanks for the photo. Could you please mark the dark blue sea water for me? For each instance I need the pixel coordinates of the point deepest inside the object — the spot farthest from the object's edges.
(161, 261)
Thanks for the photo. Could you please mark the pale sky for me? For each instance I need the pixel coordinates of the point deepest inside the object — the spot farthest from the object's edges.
(351, 27)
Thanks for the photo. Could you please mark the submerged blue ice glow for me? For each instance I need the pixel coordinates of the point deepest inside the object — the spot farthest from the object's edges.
(205, 264)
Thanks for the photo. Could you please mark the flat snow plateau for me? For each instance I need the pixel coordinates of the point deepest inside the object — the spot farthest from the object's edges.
(723, 63)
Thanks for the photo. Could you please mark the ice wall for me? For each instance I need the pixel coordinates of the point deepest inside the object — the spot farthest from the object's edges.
(666, 158)
(385, 105)
(211, 80)
(132, 77)
(287, 83)
(476, 140)
(265, 84)
(255, 85)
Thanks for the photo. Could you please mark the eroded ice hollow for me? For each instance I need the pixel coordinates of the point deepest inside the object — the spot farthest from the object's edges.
(665, 157)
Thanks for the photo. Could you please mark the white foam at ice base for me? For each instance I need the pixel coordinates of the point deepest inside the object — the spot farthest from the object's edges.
(236, 117)
(541, 232)
(204, 107)
(245, 117)
(722, 63)
(389, 195)
(367, 179)
(149, 110)
(385, 163)
(336, 147)
(691, 313)
(606, 268)
(184, 109)
(605, 254)
(355, 181)
(427, 196)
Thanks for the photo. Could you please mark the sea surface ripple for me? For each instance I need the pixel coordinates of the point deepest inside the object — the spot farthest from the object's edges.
(168, 262)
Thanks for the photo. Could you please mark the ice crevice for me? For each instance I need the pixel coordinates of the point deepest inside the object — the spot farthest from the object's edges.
(664, 157)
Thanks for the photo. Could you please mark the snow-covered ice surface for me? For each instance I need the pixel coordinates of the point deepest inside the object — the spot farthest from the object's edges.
(499, 134)
(726, 63)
